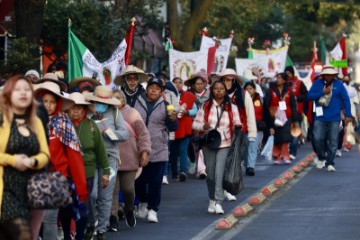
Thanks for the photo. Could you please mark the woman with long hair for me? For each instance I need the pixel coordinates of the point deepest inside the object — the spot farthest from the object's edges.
(23, 148)
(220, 114)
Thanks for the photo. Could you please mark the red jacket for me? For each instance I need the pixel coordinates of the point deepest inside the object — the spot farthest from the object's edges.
(185, 123)
(68, 162)
(287, 96)
(300, 93)
(258, 106)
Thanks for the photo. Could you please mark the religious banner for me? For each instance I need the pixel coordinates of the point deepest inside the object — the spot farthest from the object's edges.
(222, 51)
(184, 64)
(271, 62)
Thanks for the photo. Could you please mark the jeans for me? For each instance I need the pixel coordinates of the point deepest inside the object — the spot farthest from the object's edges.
(50, 224)
(148, 185)
(215, 166)
(326, 131)
(179, 147)
(100, 200)
(294, 145)
(251, 154)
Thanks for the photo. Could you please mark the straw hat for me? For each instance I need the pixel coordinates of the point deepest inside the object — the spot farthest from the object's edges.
(229, 72)
(79, 99)
(51, 77)
(201, 75)
(329, 70)
(249, 75)
(77, 81)
(54, 88)
(131, 69)
(102, 94)
(295, 130)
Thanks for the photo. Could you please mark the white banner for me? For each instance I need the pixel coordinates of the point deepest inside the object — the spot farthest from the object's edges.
(184, 64)
(107, 71)
(271, 61)
(222, 52)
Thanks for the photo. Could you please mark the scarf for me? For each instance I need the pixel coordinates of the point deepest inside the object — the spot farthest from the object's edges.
(62, 127)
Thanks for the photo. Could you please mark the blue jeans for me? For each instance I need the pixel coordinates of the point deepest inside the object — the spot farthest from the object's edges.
(326, 131)
(148, 185)
(293, 145)
(179, 147)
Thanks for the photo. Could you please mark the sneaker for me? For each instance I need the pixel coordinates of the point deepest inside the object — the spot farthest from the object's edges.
(211, 208)
(165, 180)
(287, 161)
(142, 211)
(152, 216)
(292, 157)
(277, 162)
(182, 177)
(250, 171)
(202, 175)
(330, 168)
(192, 168)
(338, 153)
(89, 232)
(113, 224)
(60, 233)
(320, 164)
(100, 236)
(345, 149)
(229, 196)
(218, 209)
(130, 219)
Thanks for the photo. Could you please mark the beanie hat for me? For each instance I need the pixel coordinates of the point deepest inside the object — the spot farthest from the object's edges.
(290, 69)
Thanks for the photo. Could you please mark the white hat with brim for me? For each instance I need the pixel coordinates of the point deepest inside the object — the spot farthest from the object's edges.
(102, 94)
(328, 70)
(76, 81)
(54, 88)
(249, 75)
(131, 69)
(79, 99)
(33, 72)
(230, 73)
(51, 77)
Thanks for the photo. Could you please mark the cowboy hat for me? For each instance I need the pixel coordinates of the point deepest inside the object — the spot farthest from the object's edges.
(295, 130)
(328, 70)
(202, 75)
(77, 81)
(51, 77)
(102, 94)
(249, 75)
(229, 72)
(78, 98)
(54, 88)
(131, 69)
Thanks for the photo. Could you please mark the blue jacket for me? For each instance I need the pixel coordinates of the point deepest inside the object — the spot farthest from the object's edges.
(339, 100)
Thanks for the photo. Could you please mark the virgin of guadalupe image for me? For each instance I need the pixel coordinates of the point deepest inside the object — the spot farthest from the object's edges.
(184, 71)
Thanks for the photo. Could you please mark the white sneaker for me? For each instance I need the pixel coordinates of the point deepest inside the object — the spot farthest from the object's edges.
(142, 211)
(229, 196)
(192, 168)
(320, 164)
(345, 149)
(338, 153)
(218, 209)
(165, 180)
(331, 168)
(211, 208)
(292, 157)
(152, 216)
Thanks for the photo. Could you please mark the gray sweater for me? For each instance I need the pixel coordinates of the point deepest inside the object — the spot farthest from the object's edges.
(113, 120)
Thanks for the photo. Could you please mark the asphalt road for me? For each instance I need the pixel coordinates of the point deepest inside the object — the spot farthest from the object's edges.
(315, 205)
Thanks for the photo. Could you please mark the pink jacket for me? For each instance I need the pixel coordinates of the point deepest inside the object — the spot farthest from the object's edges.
(138, 141)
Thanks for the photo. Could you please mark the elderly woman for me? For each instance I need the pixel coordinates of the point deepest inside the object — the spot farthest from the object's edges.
(65, 151)
(93, 149)
(23, 148)
(133, 153)
(130, 81)
(112, 127)
(158, 121)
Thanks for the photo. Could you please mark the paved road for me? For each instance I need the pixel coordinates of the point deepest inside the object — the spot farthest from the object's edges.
(316, 205)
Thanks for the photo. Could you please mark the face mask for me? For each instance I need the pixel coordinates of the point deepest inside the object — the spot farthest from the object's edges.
(101, 107)
(267, 85)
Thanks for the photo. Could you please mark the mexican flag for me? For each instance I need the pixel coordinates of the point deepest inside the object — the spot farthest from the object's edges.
(338, 55)
(82, 63)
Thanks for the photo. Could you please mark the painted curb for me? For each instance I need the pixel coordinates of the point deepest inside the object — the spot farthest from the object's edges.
(243, 210)
(269, 190)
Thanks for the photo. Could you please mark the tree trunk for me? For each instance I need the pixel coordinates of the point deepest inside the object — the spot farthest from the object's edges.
(184, 36)
(29, 19)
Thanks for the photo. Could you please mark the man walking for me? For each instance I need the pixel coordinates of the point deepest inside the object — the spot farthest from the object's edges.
(329, 96)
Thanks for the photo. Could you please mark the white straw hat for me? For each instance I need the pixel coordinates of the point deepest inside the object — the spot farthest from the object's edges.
(131, 69)
(78, 98)
(102, 94)
(328, 70)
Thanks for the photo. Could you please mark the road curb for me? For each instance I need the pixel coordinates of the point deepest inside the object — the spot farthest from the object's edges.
(260, 197)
